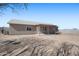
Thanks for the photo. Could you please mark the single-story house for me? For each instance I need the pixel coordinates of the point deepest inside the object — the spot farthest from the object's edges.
(29, 27)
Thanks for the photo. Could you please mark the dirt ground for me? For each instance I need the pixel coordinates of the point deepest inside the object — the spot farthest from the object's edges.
(39, 44)
(60, 37)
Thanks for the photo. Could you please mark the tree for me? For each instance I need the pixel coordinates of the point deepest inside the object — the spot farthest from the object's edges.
(13, 6)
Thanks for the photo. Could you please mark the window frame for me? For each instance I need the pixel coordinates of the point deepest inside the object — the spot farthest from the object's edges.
(28, 28)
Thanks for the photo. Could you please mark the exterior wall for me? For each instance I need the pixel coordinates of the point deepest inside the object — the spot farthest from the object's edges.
(48, 29)
(0, 32)
(43, 30)
(21, 29)
(52, 29)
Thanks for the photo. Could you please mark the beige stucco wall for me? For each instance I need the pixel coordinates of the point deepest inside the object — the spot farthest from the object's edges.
(50, 29)
(21, 29)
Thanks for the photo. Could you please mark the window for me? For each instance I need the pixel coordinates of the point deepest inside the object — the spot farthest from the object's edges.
(45, 28)
(28, 28)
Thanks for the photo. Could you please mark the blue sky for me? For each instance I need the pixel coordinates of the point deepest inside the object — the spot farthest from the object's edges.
(66, 16)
